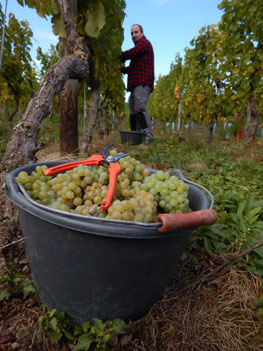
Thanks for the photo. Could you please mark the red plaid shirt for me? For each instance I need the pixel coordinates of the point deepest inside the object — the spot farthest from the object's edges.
(141, 68)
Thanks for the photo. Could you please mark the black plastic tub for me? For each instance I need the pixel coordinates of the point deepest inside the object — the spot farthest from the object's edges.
(131, 137)
(88, 267)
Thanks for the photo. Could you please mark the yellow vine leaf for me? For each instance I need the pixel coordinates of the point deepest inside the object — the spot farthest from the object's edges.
(78, 53)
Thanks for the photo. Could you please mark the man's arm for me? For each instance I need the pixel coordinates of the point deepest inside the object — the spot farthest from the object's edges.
(140, 48)
(125, 70)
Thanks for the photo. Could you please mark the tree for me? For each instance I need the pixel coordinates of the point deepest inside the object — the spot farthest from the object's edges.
(204, 84)
(242, 24)
(23, 144)
(47, 59)
(17, 75)
(162, 102)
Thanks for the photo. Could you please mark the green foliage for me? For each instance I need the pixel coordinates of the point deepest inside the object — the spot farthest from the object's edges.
(222, 70)
(43, 8)
(242, 41)
(49, 129)
(47, 59)
(100, 23)
(236, 184)
(15, 284)
(17, 78)
(56, 325)
(105, 49)
(93, 336)
(163, 103)
(98, 333)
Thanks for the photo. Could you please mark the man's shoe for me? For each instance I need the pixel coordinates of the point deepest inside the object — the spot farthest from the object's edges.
(148, 140)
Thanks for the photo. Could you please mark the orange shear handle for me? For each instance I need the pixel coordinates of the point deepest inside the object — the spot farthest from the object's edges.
(94, 160)
(114, 170)
(174, 221)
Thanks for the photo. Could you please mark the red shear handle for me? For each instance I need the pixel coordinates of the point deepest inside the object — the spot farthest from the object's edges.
(94, 160)
(174, 221)
(114, 169)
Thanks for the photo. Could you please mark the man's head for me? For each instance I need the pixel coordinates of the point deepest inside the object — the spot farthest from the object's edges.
(136, 32)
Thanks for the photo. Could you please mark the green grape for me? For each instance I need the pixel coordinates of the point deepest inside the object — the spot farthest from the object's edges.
(45, 201)
(127, 216)
(138, 217)
(69, 195)
(86, 211)
(42, 194)
(28, 185)
(116, 215)
(35, 175)
(51, 194)
(23, 177)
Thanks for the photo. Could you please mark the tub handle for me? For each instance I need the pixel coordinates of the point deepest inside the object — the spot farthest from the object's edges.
(174, 221)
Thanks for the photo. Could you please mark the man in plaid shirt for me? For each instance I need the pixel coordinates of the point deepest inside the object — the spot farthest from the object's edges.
(140, 81)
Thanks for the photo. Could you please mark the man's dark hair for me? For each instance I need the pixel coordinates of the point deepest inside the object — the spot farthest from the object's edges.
(140, 27)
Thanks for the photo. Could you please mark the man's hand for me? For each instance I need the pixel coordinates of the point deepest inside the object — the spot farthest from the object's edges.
(121, 58)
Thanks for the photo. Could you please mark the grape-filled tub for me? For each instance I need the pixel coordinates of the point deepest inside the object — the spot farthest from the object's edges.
(90, 267)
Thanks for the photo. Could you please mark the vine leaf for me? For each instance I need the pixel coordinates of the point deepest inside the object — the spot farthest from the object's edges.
(58, 26)
(95, 16)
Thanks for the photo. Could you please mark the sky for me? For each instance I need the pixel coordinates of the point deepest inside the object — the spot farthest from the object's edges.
(170, 25)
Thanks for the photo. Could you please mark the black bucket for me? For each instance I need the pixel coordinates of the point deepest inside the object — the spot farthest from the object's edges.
(131, 137)
(89, 267)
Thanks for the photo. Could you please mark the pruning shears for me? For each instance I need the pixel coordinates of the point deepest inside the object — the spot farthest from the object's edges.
(114, 170)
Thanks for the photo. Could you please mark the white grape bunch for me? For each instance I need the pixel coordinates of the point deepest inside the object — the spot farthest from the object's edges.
(139, 196)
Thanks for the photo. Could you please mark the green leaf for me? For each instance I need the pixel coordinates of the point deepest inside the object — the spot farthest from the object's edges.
(41, 322)
(53, 323)
(4, 295)
(107, 338)
(259, 262)
(98, 326)
(95, 16)
(84, 342)
(58, 26)
(222, 246)
(86, 327)
(52, 313)
(18, 278)
(118, 324)
(56, 336)
(28, 288)
(241, 208)
(254, 214)
(259, 251)
(68, 335)
(207, 246)
(259, 224)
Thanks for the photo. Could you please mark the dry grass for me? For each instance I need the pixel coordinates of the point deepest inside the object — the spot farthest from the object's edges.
(216, 316)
